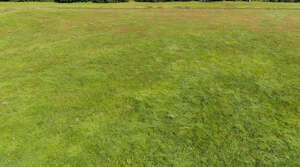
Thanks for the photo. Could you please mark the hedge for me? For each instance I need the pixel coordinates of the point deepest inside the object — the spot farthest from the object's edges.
(96, 1)
(70, 1)
(109, 1)
(26, 0)
(67, 1)
(215, 0)
(162, 0)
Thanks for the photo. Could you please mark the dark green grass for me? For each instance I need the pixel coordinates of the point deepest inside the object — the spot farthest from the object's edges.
(169, 87)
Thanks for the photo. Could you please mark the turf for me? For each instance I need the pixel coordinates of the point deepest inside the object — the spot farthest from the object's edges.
(149, 87)
(157, 5)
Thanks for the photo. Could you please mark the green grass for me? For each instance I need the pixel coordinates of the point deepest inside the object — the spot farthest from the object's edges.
(155, 87)
(184, 5)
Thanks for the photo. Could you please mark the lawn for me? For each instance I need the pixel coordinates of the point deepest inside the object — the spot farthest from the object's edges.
(168, 85)
(159, 5)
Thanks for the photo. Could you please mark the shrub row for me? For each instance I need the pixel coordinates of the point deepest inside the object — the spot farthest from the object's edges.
(109, 1)
(96, 1)
(163, 0)
(67, 1)
(116, 1)
(26, 0)
(216, 0)
(70, 1)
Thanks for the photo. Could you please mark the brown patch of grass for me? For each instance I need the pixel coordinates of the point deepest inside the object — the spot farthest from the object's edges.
(6, 10)
(128, 28)
(291, 23)
(63, 26)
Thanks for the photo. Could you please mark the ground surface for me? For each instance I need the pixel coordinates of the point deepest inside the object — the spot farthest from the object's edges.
(160, 5)
(149, 87)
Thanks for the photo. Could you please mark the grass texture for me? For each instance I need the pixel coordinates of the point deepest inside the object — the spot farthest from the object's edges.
(149, 87)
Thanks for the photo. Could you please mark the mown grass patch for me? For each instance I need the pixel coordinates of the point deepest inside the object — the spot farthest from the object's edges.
(156, 87)
(157, 5)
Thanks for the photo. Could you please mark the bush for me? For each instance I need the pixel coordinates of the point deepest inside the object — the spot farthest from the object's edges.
(70, 1)
(26, 0)
(109, 1)
(167, 0)
(217, 0)
(160, 0)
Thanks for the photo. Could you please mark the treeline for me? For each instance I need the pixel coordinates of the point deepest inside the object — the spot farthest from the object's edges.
(67, 1)
(215, 0)
(96, 1)
(116, 1)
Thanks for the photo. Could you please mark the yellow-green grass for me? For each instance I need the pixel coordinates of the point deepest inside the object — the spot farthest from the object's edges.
(155, 87)
(131, 4)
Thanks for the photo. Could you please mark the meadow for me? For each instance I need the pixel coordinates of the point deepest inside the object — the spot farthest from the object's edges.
(179, 84)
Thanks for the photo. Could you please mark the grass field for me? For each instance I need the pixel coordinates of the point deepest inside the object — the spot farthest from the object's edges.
(160, 5)
(149, 87)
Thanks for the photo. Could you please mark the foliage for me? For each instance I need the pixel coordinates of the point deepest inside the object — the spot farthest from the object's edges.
(109, 1)
(27, 0)
(217, 0)
(70, 1)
